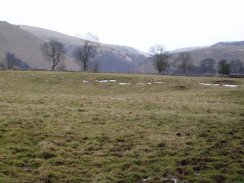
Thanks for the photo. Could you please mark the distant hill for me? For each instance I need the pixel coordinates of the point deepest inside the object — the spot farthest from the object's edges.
(223, 50)
(185, 49)
(111, 58)
(24, 43)
(234, 43)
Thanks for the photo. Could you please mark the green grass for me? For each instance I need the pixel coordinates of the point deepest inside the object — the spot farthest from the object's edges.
(55, 128)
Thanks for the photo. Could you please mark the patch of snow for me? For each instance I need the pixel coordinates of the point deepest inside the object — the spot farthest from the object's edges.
(145, 180)
(85, 81)
(208, 84)
(149, 83)
(124, 83)
(106, 81)
(205, 84)
(226, 85)
(140, 84)
(174, 179)
(231, 86)
(158, 82)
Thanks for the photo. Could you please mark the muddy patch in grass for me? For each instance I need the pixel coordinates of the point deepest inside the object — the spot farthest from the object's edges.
(225, 82)
(180, 87)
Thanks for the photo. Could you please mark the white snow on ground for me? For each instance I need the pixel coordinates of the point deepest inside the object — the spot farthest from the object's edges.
(209, 84)
(106, 81)
(205, 84)
(146, 180)
(140, 84)
(124, 83)
(157, 82)
(231, 86)
(173, 179)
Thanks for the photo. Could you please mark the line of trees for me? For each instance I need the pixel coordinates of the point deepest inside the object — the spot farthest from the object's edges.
(183, 64)
(54, 51)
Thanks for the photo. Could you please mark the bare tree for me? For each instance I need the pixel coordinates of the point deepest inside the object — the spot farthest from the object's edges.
(87, 50)
(53, 51)
(223, 67)
(184, 62)
(10, 58)
(160, 57)
(207, 65)
(2, 66)
(236, 67)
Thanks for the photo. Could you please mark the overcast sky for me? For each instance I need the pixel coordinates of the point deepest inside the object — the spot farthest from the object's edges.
(136, 23)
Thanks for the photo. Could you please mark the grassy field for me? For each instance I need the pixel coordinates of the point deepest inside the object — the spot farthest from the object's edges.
(56, 128)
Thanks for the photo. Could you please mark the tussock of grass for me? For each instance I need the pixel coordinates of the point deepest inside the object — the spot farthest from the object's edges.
(55, 128)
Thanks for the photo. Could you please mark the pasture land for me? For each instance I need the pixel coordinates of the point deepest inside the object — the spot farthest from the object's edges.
(68, 127)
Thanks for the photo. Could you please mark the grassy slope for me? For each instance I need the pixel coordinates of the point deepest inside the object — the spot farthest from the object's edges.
(54, 128)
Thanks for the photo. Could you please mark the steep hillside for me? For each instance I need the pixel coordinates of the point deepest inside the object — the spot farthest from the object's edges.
(46, 35)
(22, 44)
(25, 41)
(26, 47)
(111, 58)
